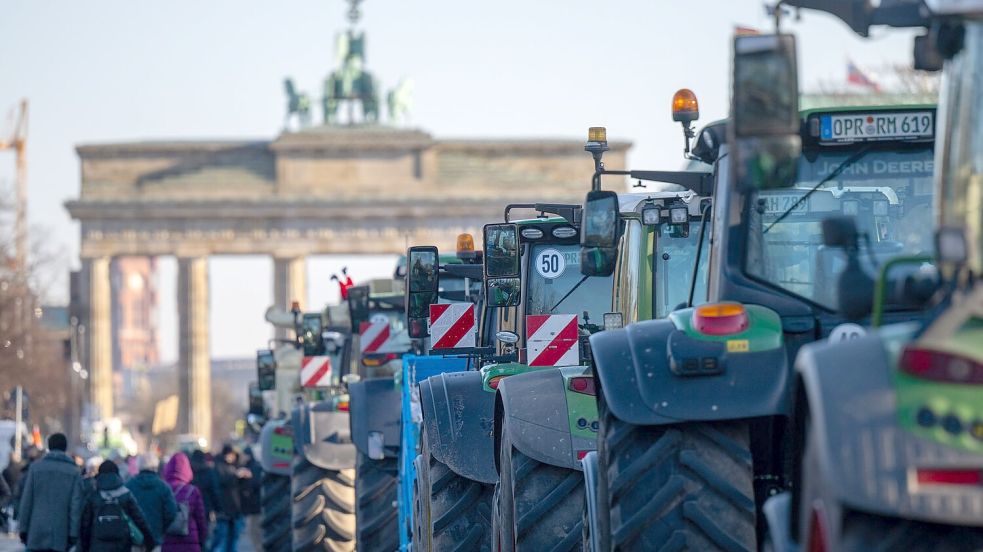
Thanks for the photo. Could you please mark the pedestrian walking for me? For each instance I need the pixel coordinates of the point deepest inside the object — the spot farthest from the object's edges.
(206, 480)
(179, 475)
(154, 496)
(111, 518)
(228, 518)
(252, 506)
(51, 500)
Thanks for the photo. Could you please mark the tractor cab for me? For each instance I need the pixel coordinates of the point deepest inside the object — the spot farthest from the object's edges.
(544, 306)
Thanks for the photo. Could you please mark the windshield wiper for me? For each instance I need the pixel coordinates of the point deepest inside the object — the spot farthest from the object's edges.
(836, 172)
(574, 288)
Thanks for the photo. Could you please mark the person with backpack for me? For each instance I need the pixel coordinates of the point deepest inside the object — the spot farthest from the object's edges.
(51, 500)
(155, 497)
(191, 509)
(111, 519)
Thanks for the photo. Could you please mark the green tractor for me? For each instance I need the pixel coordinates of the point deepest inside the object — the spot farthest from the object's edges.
(696, 408)
(889, 419)
(530, 270)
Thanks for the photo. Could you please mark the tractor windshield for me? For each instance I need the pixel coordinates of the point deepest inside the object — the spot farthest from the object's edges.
(557, 287)
(673, 265)
(962, 162)
(888, 191)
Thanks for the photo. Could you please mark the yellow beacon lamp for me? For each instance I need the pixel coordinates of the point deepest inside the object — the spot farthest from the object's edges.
(685, 110)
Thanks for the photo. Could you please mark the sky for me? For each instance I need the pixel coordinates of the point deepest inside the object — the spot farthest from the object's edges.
(118, 70)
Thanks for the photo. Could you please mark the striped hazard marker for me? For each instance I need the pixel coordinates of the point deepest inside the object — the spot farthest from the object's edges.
(452, 325)
(552, 340)
(315, 371)
(372, 336)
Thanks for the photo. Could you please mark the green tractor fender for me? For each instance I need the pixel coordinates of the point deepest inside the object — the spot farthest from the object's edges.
(866, 456)
(457, 419)
(545, 419)
(662, 371)
(322, 434)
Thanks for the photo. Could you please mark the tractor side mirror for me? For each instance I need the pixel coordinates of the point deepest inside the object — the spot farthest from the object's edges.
(422, 282)
(358, 306)
(765, 111)
(855, 288)
(265, 370)
(310, 334)
(599, 234)
(501, 268)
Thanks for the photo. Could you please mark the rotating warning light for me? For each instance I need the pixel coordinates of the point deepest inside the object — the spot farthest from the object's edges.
(720, 319)
(465, 243)
(685, 107)
(597, 141)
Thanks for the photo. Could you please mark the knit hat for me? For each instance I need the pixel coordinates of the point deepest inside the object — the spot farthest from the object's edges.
(148, 461)
(108, 467)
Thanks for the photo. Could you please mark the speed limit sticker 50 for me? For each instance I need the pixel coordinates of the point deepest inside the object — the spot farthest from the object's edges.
(550, 263)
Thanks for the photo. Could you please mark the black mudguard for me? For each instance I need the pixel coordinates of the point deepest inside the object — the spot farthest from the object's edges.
(323, 436)
(375, 407)
(458, 418)
(532, 407)
(865, 457)
(640, 388)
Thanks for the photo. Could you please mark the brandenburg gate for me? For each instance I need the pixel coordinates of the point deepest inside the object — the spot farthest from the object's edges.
(322, 190)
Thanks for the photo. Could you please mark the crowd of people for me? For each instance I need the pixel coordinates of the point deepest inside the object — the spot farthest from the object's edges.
(194, 503)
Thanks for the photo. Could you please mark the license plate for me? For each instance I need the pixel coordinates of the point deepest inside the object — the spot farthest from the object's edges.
(776, 204)
(859, 127)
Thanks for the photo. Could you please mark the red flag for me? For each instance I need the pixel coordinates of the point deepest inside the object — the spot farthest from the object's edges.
(855, 76)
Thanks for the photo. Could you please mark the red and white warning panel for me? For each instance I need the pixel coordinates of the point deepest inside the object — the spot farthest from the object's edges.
(552, 340)
(372, 336)
(315, 371)
(452, 325)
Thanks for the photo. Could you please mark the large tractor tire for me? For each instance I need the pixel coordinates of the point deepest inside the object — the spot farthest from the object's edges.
(323, 508)
(539, 507)
(275, 496)
(460, 511)
(687, 486)
(421, 506)
(869, 533)
(376, 509)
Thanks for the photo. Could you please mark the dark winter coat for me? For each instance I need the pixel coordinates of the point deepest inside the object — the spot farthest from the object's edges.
(51, 502)
(155, 499)
(250, 489)
(230, 498)
(12, 475)
(207, 482)
(111, 484)
(178, 474)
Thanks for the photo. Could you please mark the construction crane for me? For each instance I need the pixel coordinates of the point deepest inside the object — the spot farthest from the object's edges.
(16, 139)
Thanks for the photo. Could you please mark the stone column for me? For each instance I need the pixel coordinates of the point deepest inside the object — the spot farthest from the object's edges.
(194, 363)
(99, 349)
(289, 285)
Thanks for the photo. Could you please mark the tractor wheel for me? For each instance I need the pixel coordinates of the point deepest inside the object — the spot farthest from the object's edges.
(539, 507)
(323, 508)
(870, 533)
(378, 518)
(275, 496)
(862, 532)
(421, 506)
(460, 511)
(686, 486)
